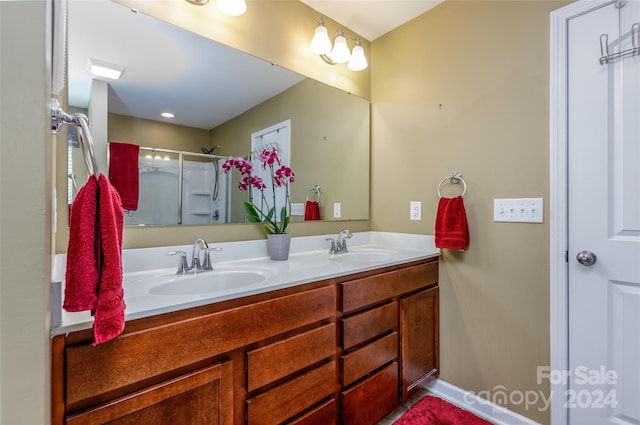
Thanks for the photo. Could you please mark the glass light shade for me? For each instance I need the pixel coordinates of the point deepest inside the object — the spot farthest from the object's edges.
(320, 44)
(340, 52)
(232, 7)
(358, 61)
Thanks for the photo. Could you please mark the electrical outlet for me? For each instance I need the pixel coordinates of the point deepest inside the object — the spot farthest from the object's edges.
(297, 208)
(518, 210)
(415, 210)
(337, 213)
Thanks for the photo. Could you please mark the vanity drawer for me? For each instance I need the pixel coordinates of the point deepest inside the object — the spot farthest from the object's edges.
(272, 362)
(372, 399)
(291, 398)
(364, 360)
(369, 324)
(359, 293)
(325, 414)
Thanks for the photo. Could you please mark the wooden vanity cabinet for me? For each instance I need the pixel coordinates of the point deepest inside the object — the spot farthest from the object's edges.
(339, 351)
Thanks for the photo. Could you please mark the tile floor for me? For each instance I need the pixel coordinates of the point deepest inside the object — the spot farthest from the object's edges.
(400, 410)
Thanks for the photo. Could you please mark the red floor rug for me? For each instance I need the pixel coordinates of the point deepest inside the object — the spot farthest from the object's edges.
(435, 411)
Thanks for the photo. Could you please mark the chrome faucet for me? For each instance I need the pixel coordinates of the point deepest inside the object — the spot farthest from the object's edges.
(339, 245)
(199, 245)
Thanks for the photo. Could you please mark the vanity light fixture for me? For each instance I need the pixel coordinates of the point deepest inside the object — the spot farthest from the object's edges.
(339, 53)
(228, 7)
(168, 115)
(104, 69)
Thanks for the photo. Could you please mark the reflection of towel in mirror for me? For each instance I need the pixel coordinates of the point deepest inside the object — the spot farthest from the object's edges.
(94, 258)
(452, 229)
(312, 210)
(123, 172)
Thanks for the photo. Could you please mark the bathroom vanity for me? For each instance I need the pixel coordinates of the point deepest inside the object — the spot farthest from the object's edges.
(342, 349)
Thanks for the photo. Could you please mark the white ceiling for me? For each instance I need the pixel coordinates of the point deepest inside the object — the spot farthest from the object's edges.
(372, 18)
(167, 69)
(155, 56)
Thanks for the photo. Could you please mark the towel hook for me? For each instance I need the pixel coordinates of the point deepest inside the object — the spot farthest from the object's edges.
(455, 178)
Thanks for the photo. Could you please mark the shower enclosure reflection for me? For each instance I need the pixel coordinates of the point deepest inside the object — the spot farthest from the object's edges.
(180, 188)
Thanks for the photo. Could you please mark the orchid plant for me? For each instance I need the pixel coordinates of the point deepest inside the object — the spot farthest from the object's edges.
(280, 176)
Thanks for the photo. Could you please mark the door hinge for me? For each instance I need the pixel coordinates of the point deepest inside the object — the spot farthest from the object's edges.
(566, 256)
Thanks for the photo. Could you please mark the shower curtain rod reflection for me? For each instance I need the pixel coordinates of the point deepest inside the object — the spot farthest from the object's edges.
(176, 152)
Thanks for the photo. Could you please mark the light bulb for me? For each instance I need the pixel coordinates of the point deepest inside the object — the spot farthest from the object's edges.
(320, 44)
(232, 7)
(358, 61)
(340, 52)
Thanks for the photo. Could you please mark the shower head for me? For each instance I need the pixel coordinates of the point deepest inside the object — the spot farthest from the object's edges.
(209, 151)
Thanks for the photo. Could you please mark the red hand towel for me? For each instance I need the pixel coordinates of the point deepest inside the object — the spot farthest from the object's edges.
(312, 210)
(452, 229)
(94, 258)
(123, 172)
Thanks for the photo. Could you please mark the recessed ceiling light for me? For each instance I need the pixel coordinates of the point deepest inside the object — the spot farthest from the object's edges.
(104, 69)
(167, 115)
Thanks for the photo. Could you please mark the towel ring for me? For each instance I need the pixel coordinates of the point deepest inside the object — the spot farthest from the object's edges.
(454, 178)
(316, 191)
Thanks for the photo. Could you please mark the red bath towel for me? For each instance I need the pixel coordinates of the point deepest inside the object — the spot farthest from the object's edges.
(123, 172)
(312, 210)
(83, 251)
(94, 258)
(452, 229)
(109, 312)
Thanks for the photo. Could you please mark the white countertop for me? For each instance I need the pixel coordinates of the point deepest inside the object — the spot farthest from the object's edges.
(308, 261)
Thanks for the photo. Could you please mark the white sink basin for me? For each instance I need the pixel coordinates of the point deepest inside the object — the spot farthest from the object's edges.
(207, 282)
(219, 280)
(365, 256)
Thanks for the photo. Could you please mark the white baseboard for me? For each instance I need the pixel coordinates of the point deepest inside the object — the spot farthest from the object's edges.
(486, 409)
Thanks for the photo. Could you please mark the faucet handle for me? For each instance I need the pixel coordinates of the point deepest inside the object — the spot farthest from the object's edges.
(183, 267)
(332, 250)
(342, 240)
(206, 265)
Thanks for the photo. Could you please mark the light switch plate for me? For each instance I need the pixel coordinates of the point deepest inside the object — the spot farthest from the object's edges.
(337, 213)
(297, 208)
(518, 210)
(415, 210)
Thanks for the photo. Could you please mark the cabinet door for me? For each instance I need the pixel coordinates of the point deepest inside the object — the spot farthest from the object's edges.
(419, 340)
(201, 397)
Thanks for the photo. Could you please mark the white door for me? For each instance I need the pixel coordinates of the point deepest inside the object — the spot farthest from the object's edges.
(604, 219)
(277, 136)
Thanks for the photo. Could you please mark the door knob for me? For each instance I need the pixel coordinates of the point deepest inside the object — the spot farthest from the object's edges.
(586, 258)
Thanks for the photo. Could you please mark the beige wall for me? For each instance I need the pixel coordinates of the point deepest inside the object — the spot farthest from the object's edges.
(157, 134)
(465, 87)
(25, 212)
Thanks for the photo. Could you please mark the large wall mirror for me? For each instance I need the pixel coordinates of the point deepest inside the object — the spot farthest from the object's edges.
(220, 98)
